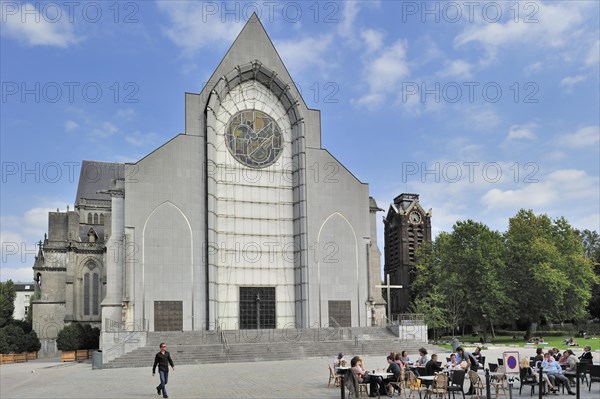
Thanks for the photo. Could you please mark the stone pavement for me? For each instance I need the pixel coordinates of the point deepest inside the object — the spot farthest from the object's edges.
(280, 379)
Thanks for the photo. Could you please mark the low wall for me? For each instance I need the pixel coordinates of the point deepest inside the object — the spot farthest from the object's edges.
(117, 344)
(409, 331)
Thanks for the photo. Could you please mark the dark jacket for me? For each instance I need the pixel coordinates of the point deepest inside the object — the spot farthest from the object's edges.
(432, 367)
(394, 368)
(163, 362)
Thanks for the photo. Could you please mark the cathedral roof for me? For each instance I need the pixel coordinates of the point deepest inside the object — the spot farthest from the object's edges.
(85, 228)
(95, 176)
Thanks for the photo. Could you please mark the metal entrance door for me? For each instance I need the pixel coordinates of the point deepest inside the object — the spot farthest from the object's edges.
(168, 316)
(340, 314)
(257, 308)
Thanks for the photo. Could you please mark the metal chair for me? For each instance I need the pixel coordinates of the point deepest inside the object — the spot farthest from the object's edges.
(594, 370)
(458, 382)
(524, 374)
(493, 367)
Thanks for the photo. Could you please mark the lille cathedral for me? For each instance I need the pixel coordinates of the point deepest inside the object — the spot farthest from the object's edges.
(222, 226)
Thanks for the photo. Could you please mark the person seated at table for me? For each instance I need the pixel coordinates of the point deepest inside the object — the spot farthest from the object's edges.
(399, 362)
(363, 377)
(539, 355)
(556, 354)
(564, 358)
(432, 366)
(452, 363)
(555, 372)
(394, 369)
(423, 359)
(571, 368)
(587, 353)
(525, 365)
(405, 358)
(477, 355)
(340, 360)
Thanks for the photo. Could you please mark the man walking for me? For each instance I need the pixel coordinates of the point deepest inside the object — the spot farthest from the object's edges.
(163, 359)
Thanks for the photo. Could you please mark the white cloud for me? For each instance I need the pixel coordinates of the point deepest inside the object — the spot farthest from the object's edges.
(551, 191)
(107, 129)
(593, 57)
(127, 113)
(193, 28)
(384, 73)
(456, 69)
(517, 132)
(346, 26)
(533, 68)
(27, 25)
(71, 125)
(140, 139)
(20, 233)
(571, 81)
(373, 39)
(294, 54)
(555, 25)
(479, 117)
(16, 274)
(585, 137)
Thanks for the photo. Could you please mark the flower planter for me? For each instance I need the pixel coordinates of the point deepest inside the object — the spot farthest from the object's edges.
(8, 358)
(20, 357)
(32, 355)
(68, 356)
(82, 354)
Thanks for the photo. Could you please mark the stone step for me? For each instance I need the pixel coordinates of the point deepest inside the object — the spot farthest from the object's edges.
(194, 347)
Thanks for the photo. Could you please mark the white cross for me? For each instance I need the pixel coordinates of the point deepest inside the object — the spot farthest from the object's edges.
(388, 287)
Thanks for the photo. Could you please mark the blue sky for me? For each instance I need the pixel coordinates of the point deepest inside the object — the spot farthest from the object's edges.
(482, 108)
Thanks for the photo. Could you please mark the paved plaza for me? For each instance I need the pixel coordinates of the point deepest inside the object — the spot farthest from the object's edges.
(279, 379)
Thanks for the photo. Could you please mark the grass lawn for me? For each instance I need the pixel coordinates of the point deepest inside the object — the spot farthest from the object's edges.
(520, 342)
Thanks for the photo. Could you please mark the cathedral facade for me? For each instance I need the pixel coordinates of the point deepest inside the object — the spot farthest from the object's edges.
(225, 226)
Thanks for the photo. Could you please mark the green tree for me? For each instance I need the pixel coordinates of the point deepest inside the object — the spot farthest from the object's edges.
(467, 266)
(431, 305)
(7, 302)
(591, 247)
(547, 271)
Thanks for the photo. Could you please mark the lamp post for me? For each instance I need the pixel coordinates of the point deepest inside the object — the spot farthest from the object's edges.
(484, 327)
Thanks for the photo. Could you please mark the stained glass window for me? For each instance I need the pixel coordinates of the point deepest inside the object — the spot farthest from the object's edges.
(254, 138)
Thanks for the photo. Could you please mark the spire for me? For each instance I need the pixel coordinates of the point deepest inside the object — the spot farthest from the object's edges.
(253, 43)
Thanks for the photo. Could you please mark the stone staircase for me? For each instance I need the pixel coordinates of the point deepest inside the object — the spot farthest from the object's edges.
(194, 347)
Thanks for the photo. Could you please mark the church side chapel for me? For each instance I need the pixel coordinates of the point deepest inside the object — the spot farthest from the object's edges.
(221, 227)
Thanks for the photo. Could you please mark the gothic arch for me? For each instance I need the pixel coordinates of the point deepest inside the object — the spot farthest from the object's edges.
(166, 206)
(355, 267)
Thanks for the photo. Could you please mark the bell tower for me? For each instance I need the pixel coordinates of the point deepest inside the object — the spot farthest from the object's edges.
(406, 226)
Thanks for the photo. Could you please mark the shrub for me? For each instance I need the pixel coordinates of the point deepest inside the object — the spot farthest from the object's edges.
(12, 339)
(32, 342)
(91, 337)
(70, 337)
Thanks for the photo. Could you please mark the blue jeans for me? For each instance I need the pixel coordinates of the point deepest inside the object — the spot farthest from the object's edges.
(164, 378)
